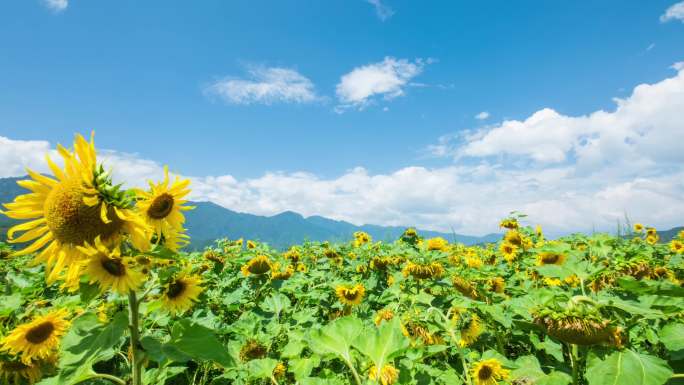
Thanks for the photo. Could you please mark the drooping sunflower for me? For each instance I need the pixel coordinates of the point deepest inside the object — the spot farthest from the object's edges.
(470, 330)
(258, 265)
(423, 270)
(162, 205)
(383, 315)
(550, 258)
(181, 292)
(350, 295)
(488, 372)
(38, 339)
(77, 206)
(16, 372)
(109, 269)
(388, 374)
(497, 284)
(509, 223)
(464, 287)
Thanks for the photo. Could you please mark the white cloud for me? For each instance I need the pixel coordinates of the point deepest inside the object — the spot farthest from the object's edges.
(587, 174)
(388, 78)
(675, 12)
(56, 5)
(482, 115)
(266, 86)
(383, 11)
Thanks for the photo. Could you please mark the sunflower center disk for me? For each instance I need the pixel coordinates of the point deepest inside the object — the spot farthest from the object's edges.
(113, 267)
(175, 289)
(161, 206)
(40, 333)
(484, 373)
(73, 222)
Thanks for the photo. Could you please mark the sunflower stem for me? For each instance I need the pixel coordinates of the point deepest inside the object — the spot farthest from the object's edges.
(574, 360)
(108, 377)
(354, 372)
(134, 320)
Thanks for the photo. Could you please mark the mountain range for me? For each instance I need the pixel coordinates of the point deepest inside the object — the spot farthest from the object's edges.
(209, 221)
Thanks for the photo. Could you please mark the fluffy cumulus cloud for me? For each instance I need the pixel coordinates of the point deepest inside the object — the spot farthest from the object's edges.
(482, 115)
(388, 79)
(265, 86)
(383, 11)
(56, 5)
(568, 173)
(675, 12)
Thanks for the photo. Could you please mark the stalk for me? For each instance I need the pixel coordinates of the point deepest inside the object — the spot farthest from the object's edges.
(574, 360)
(134, 326)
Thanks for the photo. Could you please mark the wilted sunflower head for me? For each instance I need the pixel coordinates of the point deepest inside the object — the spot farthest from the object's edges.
(488, 372)
(258, 265)
(350, 294)
(181, 292)
(423, 270)
(283, 275)
(383, 315)
(38, 339)
(80, 204)
(464, 287)
(585, 328)
(293, 255)
(387, 376)
(509, 223)
(16, 372)
(550, 258)
(252, 350)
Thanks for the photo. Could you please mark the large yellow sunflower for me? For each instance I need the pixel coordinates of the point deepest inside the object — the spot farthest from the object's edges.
(37, 339)
(76, 207)
(488, 372)
(350, 295)
(162, 205)
(110, 270)
(181, 292)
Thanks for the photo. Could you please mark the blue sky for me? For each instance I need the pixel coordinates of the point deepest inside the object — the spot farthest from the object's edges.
(178, 83)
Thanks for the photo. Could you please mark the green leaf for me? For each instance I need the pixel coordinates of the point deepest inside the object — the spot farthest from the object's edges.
(87, 342)
(276, 303)
(672, 336)
(198, 342)
(383, 343)
(335, 337)
(9, 303)
(262, 368)
(302, 367)
(627, 367)
(530, 372)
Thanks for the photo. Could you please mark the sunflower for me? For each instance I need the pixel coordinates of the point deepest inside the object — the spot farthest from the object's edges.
(173, 239)
(180, 293)
(473, 261)
(361, 238)
(651, 231)
(677, 246)
(388, 375)
(437, 243)
(652, 239)
(383, 315)
(509, 223)
(293, 255)
(488, 372)
(13, 372)
(283, 275)
(37, 339)
(250, 244)
(464, 287)
(423, 270)
(162, 205)
(638, 228)
(470, 330)
(350, 295)
(252, 350)
(280, 370)
(586, 329)
(76, 207)
(109, 269)
(550, 258)
(497, 285)
(258, 265)
(508, 251)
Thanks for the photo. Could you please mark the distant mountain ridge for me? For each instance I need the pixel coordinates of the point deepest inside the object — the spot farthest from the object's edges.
(209, 221)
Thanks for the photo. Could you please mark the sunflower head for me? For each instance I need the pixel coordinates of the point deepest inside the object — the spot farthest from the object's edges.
(388, 374)
(110, 270)
(437, 243)
(38, 339)
(488, 372)
(550, 258)
(423, 270)
(677, 246)
(280, 370)
(252, 350)
(162, 205)
(293, 255)
(508, 250)
(350, 294)
(258, 265)
(361, 238)
(652, 239)
(470, 329)
(509, 223)
(464, 287)
(383, 315)
(638, 228)
(181, 292)
(16, 372)
(497, 284)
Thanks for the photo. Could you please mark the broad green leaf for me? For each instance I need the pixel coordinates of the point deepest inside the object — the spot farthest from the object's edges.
(276, 304)
(261, 368)
(302, 367)
(672, 336)
(382, 343)
(530, 372)
(627, 367)
(199, 342)
(87, 342)
(335, 337)
(549, 346)
(9, 303)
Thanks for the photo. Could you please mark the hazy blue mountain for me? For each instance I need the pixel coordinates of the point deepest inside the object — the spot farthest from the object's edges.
(210, 221)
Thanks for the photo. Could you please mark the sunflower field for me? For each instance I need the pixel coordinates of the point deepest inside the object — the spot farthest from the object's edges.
(95, 288)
